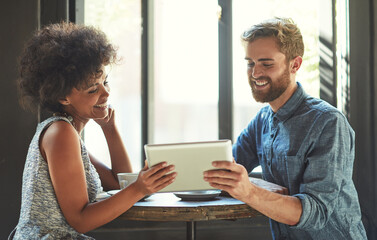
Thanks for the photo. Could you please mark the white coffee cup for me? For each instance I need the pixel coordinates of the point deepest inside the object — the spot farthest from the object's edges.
(126, 179)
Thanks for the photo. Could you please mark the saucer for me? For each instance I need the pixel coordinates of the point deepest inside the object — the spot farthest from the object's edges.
(198, 195)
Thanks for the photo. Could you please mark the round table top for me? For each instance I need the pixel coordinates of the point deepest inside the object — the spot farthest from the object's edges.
(168, 207)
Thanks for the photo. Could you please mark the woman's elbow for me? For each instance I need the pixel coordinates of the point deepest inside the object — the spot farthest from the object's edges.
(79, 224)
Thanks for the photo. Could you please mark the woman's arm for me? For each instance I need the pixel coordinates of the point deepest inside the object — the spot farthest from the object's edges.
(61, 146)
(120, 162)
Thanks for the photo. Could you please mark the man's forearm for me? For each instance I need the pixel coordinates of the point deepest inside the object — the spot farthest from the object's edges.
(281, 208)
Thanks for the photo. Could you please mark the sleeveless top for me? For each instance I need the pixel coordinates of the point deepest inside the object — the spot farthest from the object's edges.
(41, 216)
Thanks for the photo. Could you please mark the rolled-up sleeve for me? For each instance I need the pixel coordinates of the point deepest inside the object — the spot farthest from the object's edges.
(328, 164)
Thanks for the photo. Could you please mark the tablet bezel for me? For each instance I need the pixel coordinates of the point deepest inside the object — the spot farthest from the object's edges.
(190, 159)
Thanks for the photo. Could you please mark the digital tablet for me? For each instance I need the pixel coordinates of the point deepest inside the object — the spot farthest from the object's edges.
(190, 160)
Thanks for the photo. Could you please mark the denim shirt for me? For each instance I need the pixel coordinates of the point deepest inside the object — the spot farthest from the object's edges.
(307, 146)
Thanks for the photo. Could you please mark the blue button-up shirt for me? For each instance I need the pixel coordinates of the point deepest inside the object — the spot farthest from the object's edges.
(307, 146)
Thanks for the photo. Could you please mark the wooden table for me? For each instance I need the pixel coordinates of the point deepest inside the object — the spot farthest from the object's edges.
(168, 207)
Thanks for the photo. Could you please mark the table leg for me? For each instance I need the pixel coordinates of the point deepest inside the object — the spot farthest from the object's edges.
(191, 230)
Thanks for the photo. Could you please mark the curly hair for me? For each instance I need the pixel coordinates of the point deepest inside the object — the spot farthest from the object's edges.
(285, 31)
(58, 58)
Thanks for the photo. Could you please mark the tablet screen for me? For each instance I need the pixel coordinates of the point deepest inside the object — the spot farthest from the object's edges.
(190, 161)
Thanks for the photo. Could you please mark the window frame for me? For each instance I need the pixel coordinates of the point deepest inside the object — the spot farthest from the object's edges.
(72, 10)
(328, 82)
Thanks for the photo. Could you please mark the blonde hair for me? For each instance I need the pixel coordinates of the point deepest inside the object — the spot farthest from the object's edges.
(285, 31)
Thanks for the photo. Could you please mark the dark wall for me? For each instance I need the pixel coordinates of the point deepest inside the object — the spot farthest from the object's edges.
(18, 19)
(363, 106)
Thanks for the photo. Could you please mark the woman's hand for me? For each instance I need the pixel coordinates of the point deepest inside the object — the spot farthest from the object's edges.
(107, 121)
(151, 180)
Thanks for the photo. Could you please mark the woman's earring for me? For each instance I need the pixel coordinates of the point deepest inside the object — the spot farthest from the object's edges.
(64, 101)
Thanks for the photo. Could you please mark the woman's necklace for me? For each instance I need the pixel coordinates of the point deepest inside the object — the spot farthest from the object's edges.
(69, 117)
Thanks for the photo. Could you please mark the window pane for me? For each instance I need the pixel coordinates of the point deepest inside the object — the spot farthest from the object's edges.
(249, 12)
(185, 71)
(121, 21)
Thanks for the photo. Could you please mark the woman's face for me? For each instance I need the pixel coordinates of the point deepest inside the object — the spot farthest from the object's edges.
(89, 102)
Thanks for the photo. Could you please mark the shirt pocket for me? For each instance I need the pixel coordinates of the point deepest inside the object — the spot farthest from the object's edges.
(266, 167)
(294, 168)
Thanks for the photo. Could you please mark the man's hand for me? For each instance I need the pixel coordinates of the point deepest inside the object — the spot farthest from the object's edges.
(263, 196)
(231, 177)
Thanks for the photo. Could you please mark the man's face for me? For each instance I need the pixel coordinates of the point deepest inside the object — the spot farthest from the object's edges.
(267, 71)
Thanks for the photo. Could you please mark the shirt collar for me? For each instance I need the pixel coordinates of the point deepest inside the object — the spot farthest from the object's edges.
(291, 105)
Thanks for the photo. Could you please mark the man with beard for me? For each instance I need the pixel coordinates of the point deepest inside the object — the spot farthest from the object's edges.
(302, 144)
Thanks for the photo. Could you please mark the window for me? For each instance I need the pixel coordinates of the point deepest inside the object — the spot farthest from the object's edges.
(247, 13)
(121, 21)
(184, 65)
(185, 71)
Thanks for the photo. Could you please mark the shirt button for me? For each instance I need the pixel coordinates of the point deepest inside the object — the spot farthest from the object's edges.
(272, 135)
(269, 163)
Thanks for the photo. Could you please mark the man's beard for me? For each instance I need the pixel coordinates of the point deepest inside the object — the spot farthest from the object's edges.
(276, 88)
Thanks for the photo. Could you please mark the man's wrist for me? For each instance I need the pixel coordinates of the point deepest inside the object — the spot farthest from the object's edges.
(251, 195)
